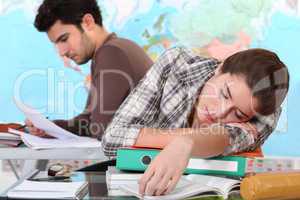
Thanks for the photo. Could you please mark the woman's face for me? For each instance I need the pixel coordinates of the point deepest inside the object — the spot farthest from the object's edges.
(225, 98)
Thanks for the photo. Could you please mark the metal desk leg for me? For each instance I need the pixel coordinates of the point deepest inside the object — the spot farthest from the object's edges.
(42, 165)
(31, 165)
(13, 168)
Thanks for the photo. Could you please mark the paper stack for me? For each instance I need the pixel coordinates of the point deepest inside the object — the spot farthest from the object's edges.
(49, 190)
(9, 139)
(116, 178)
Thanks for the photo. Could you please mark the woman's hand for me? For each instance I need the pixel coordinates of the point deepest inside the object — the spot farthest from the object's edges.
(166, 169)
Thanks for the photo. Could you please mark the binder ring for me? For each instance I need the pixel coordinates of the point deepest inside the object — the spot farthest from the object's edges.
(146, 160)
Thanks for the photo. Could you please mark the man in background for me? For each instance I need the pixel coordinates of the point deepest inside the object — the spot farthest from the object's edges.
(75, 28)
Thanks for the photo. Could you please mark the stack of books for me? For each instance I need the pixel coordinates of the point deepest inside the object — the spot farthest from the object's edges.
(9, 139)
(116, 178)
(40, 186)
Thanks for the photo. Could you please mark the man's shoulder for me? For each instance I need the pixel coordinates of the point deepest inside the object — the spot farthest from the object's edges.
(109, 57)
(110, 49)
(119, 42)
(120, 46)
(106, 50)
(123, 53)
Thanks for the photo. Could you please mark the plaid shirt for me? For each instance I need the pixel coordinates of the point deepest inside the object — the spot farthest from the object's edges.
(164, 98)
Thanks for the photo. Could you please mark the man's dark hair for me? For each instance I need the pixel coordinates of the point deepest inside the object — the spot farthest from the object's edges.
(67, 11)
(266, 75)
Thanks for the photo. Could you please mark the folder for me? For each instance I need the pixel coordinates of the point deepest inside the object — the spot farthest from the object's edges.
(137, 159)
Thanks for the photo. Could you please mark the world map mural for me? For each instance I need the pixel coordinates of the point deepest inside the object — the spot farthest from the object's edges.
(32, 71)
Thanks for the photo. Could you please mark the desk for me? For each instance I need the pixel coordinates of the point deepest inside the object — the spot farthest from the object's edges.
(37, 159)
(97, 189)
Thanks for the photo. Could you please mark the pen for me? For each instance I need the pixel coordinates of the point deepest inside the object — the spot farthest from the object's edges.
(50, 179)
(21, 127)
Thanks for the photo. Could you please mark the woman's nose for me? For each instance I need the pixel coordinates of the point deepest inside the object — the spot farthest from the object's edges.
(224, 109)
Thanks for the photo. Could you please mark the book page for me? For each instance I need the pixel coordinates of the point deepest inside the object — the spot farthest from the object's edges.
(36, 142)
(224, 185)
(183, 189)
(41, 122)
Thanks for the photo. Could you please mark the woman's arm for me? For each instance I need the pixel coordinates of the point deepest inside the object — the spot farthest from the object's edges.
(206, 142)
(216, 139)
(179, 145)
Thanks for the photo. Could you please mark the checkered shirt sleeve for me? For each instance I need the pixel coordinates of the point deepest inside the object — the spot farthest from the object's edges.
(241, 140)
(140, 107)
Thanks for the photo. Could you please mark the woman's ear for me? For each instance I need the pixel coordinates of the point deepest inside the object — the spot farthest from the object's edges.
(218, 70)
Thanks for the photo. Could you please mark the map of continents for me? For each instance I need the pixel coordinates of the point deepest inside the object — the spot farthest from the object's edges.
(32, 71)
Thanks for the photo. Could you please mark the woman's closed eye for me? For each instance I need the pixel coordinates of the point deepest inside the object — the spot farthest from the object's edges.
(225, 96)
(239, 116)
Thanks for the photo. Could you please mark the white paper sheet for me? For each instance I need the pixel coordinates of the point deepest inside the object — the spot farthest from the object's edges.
(41, 122)
(36, 142)
(38, 190)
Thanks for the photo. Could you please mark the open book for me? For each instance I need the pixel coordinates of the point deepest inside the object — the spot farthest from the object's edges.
(192, 186)
(61, 137)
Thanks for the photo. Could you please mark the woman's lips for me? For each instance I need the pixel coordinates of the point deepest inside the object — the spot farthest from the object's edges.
(208, 115)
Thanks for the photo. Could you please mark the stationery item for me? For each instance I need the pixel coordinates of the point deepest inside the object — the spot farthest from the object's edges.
(256, 153)
(48, 190)
(9, 136)
(51, 179)
(275, 186)
(137, 159)
(10, 143)
(61, 138)
(192, 186)
(115, 174)
(115, 178)
(9, 139)
(36, 142)
(41, 122)
(4, 127)
(25, 126)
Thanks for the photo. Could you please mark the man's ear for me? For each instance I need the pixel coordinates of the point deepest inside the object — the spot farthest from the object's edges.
(88, 22)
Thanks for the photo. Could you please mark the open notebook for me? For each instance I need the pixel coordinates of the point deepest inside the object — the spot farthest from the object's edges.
(192, 186)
